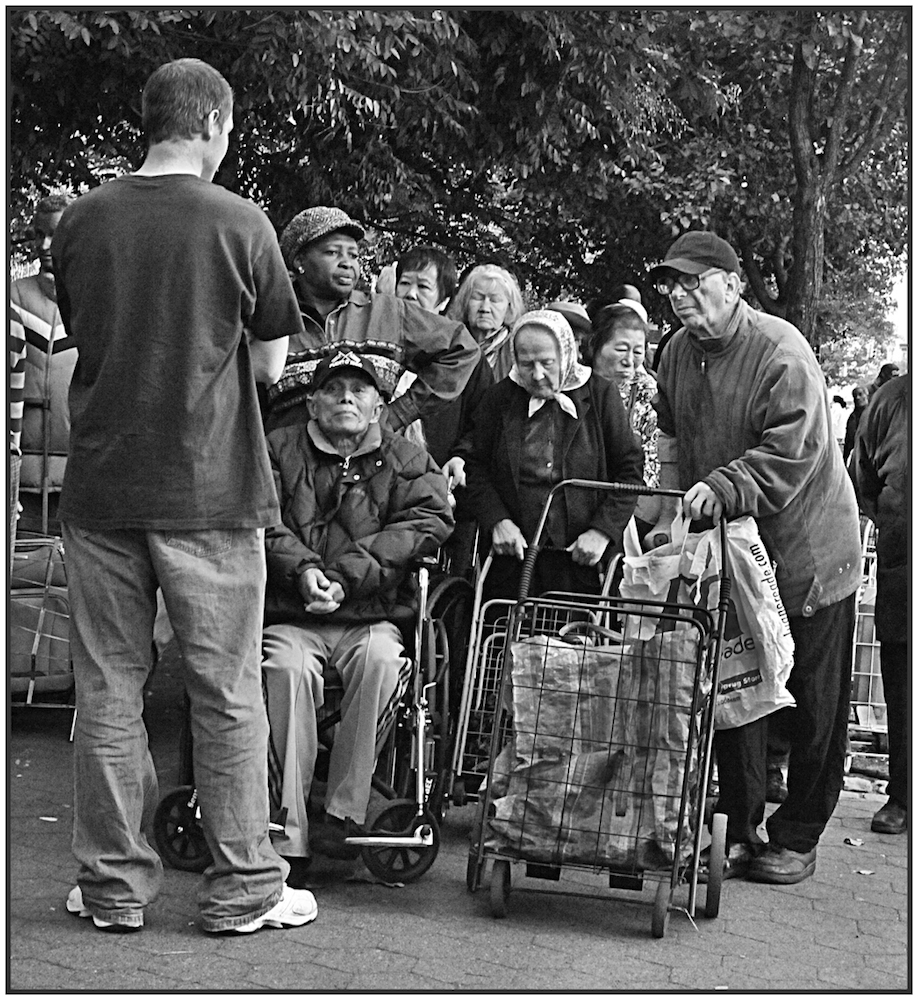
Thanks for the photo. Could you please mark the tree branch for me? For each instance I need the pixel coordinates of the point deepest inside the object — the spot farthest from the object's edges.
(800, 100)
(778, 266)
(874, 132)
(766, 300)
(837, 129)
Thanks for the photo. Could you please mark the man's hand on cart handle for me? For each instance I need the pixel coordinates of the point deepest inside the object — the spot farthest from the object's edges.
(701, 501)
(589, 547)
(508, 540)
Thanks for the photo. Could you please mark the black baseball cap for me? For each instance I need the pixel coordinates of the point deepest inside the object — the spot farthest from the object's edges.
(696, 252)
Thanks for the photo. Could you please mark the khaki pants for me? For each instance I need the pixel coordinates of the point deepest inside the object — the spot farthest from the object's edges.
(297, 662)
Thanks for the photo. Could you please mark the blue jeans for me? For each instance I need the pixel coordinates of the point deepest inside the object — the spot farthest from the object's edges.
(213, 586)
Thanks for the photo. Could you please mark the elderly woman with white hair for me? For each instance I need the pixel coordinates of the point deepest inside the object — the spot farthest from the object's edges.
(550, 420)
(489, 302)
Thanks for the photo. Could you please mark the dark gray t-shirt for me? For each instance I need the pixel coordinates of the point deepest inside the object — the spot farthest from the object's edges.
(158, 277)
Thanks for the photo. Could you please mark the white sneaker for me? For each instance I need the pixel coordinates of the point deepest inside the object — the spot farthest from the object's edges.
(75, 905)
(295, 908)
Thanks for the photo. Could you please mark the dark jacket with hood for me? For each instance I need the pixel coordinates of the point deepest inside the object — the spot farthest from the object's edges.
(880, 470)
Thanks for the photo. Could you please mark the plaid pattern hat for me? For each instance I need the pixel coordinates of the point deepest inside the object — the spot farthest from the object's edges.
(297, 381)
(312, 224)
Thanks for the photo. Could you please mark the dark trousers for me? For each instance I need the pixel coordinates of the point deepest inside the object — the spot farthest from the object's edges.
(821, 685)
(894, 668)
(780, 724)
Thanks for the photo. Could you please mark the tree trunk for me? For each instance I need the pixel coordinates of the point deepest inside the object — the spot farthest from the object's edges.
(808, 242)
(808, 249)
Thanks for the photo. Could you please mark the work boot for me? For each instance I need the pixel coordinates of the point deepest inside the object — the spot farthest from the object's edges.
(782, 866)
(891, 818)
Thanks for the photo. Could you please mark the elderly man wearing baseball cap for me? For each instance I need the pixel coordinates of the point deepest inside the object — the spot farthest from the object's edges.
(745, 428)
(358, 504)
(321, 248)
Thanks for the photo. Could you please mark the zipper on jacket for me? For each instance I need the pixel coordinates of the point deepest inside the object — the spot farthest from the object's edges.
(347, 462)
(704, 363)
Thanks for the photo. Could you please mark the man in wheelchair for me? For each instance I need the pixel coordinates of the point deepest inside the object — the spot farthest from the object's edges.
(358, 505)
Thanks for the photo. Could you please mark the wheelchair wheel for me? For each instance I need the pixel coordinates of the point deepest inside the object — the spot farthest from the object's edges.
(401, 864)
(178, 832)
(449, 609)
(450, 603)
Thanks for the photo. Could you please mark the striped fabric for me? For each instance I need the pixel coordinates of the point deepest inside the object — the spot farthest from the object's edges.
(332, 704)
(17, 343)
(50, 359)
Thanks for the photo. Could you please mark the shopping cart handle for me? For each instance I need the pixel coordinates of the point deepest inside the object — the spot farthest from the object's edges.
(633, 488)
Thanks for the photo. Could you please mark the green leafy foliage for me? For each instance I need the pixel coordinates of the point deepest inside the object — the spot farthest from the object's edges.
(573, 143)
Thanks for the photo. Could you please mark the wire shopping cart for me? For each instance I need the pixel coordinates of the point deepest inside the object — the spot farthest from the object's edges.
(600, 716)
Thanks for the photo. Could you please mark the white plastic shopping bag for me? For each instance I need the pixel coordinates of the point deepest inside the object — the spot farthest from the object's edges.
(758, 650)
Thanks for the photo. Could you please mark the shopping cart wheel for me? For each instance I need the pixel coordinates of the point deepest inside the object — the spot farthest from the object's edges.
(460, 796)
(716, 864)
(661, 909)
(178, 832)
(500, 888)
(401, 864)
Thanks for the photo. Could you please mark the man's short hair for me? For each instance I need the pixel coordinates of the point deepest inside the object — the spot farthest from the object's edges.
(427, 256)
(179, 96)
(53, 203)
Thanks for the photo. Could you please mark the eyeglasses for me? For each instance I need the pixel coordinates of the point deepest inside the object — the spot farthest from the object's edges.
(687, 282)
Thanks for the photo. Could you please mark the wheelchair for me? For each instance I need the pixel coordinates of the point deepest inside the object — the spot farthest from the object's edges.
(412, 771)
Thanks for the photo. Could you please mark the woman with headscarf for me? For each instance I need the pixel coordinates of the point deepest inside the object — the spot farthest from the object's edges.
(549, 420)
(489, 302)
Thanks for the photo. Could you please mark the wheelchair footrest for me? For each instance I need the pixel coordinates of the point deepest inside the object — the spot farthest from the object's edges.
(422, 837)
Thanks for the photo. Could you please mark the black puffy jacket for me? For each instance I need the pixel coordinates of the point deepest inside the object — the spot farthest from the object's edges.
(361, 520)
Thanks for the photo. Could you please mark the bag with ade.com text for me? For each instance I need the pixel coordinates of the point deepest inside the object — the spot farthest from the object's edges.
(758, 650)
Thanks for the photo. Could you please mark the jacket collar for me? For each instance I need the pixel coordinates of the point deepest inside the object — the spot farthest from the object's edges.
(356, 298)
(371, 441)
(716, 345)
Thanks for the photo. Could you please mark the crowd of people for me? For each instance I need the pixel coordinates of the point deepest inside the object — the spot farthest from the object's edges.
(269, 447)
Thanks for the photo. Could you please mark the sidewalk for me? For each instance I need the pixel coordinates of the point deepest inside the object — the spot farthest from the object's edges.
(844, 929)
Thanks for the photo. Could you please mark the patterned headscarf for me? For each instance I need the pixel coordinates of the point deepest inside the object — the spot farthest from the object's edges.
(573, 374)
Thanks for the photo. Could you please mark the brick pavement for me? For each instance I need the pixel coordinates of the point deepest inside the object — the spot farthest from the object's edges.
(844, 929)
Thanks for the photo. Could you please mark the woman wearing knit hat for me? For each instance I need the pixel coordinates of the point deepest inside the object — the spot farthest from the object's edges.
(320, 247)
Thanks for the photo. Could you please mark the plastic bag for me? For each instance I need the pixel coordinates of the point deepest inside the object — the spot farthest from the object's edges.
(758, 650)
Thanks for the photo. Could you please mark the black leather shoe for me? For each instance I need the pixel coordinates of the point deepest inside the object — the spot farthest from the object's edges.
(782, 866)
(775, 785)
(737, 859)
(891, 818)
(328, 838)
